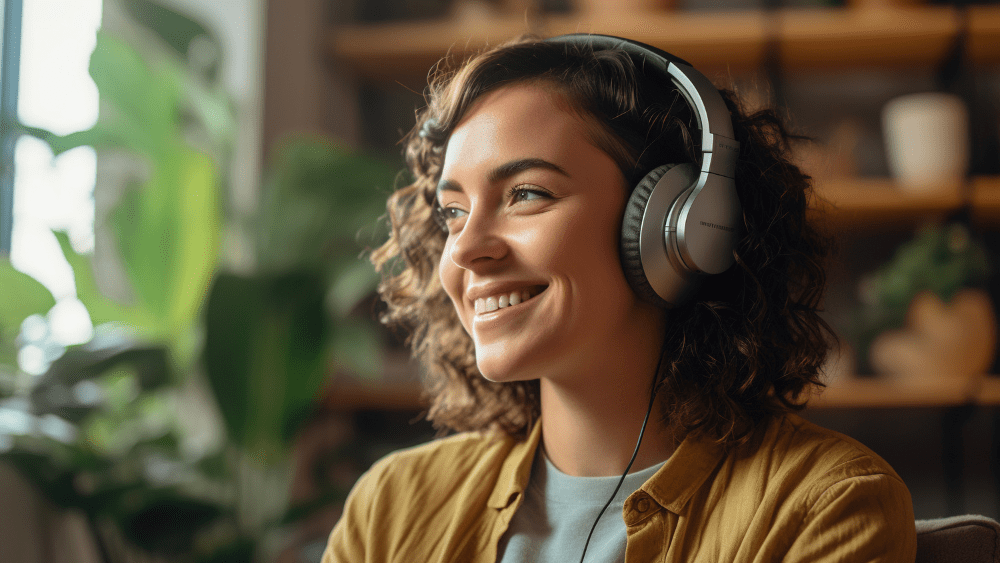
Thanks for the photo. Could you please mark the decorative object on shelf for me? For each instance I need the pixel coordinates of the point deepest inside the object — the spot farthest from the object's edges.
(954, 340)
(942, 260)
(927, 141)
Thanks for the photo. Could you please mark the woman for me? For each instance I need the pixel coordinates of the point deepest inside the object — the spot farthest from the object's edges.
(546, 351)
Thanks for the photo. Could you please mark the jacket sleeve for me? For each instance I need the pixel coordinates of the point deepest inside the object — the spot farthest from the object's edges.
(866, 518)
(348, 542)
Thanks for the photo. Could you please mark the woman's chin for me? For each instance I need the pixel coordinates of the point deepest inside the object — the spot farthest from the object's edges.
(498, 370)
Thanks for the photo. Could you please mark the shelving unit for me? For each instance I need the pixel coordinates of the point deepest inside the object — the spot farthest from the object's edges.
(846, 393)
(715, 42)
(724, 44)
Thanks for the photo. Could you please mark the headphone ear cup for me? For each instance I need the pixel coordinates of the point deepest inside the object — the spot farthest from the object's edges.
(631, 258)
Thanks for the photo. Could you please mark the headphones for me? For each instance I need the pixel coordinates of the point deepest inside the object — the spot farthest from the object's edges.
(681, 221)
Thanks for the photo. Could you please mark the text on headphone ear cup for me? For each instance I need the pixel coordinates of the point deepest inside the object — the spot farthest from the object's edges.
(708, 225)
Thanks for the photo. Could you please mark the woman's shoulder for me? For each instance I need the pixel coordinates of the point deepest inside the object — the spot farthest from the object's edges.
(460, 457)
(798, 463)
(841, 498)
(795, 441)
(827, 497)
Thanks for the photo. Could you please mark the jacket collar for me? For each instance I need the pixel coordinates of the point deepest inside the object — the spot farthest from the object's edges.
(516, 470)
(672, 486)
(691, 464)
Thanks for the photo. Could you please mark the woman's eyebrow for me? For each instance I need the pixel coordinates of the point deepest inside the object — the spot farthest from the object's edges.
(515, 167)
(506, 171)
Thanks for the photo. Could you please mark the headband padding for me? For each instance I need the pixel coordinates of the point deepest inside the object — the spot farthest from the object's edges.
(631, 224)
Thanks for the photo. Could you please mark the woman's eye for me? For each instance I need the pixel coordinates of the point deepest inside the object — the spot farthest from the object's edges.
(523, 193)
(449, 213)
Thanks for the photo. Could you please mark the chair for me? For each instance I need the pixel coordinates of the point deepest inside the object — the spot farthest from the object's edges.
(965, 539)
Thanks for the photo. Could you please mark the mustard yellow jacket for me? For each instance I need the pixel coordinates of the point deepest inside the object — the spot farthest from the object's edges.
(804, 493)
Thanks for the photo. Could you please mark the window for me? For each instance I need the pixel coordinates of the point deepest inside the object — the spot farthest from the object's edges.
(52, 90)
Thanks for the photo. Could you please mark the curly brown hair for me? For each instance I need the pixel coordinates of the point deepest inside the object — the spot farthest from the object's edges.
(749, 344)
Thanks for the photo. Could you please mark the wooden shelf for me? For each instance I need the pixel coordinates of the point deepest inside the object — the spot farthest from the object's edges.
(359, 396)
(845, 393)
(860, 393)
(983, 39)
(986, 200)
(989, 393)
(880, 393)
(715, 42)
(859, 201)
(874, 37)
(398, 387)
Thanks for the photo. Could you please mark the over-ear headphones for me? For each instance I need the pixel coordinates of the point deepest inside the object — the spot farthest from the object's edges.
(681, 221)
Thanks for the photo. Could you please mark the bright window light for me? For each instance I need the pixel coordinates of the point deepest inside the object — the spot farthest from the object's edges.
(57, 94)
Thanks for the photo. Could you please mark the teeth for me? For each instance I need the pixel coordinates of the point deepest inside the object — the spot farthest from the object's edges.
(490, 304)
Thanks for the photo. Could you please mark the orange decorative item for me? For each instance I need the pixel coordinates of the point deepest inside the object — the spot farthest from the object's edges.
(954, 340)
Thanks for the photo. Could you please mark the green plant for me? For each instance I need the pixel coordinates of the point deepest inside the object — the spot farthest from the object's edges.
(940, 258)
(170, 428)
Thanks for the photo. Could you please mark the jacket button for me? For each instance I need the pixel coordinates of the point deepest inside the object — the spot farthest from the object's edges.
(642, 505)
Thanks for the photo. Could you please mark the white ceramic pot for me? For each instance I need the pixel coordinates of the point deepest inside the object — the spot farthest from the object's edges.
(927, 141)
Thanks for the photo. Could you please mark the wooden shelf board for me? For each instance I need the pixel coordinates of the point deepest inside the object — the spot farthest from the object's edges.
(845, 393)
(857, 201)
(983, 40)
(858, 393)
(989, 392)
(398, 387)
(713, 42)
(405, 50)
(874, 37)
(732, 42)
(986, 200)
(354, 397)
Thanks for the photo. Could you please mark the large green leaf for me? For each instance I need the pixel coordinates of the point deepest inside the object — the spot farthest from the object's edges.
(101, 309)
(265, 348)
(23, 296)
(174, 28)
(167, 232)
(138, 98)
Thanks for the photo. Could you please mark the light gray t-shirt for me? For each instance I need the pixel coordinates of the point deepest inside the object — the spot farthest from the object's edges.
(558, 511)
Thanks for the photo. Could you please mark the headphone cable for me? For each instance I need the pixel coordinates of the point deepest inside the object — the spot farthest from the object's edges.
(642, 431)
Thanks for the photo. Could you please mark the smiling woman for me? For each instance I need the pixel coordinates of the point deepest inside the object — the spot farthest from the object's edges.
(595, 231)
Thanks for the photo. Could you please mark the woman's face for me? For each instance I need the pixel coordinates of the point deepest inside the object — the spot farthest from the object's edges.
(531, 260)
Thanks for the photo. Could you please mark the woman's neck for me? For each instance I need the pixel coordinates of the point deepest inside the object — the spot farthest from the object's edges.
(590, 427)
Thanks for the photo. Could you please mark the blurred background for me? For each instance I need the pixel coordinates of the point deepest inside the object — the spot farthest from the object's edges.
(190, 366)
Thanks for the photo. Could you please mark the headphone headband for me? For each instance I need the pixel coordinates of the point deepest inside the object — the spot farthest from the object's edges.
(719, 149)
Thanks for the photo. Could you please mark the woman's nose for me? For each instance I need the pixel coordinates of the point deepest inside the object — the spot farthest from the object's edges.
(480, 241)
